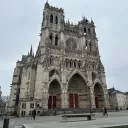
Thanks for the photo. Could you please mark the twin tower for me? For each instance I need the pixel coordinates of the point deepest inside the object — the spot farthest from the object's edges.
(65, 73)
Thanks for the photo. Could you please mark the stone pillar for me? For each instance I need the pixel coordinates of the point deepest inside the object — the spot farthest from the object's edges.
(64, 100)
(93, 100)
(64, 97)
(45, 101)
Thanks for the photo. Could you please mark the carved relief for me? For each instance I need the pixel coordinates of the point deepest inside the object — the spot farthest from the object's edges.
(71, 43)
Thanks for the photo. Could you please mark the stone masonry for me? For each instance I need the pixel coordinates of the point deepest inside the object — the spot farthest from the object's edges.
(65, 72)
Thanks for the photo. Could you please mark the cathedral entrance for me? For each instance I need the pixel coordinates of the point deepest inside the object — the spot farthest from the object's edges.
(54, 95)
(77, 90)
(99, 96)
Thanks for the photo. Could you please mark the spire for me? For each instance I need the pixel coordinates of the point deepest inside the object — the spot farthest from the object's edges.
(47, 4)
(31, 51)
(92, 22)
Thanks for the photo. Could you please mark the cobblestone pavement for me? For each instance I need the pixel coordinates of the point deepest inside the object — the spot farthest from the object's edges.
(56, 120)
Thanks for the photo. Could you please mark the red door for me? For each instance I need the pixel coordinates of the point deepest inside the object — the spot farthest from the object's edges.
(70, 100)
(76, 100)
(96, 102)
(54, 101)
(50, 102)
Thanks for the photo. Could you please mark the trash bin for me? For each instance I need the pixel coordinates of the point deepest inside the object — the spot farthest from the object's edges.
(6, 123)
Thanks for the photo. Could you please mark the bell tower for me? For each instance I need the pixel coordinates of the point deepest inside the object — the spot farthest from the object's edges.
(52, 17)
(52, 25)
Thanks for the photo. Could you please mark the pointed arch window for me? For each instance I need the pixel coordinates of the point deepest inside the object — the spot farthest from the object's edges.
(79, 64)
(50, 37)
(74, 64)
(85, 30)
(56, 20)
(51, 60)
(70, 64)
(51, 18)
(56, 41)
(89, 31)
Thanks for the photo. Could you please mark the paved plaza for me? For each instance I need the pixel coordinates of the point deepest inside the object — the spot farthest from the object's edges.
(114, 118)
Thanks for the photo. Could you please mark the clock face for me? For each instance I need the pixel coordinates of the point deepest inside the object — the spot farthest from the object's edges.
(71, 43)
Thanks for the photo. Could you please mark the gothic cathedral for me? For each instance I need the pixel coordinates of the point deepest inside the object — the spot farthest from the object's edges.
(66, 72)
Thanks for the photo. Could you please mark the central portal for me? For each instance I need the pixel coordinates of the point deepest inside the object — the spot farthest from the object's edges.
(54, 100)
(77, 91)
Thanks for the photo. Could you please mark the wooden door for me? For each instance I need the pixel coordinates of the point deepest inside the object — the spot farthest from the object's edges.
(76, 100)
(54, 101)
(70, 100)
(96, 102)
(50, 102)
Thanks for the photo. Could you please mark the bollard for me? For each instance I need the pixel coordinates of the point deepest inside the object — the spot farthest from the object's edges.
(6, 123)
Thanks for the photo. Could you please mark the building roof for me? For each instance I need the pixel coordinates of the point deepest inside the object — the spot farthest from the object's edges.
(113, 90)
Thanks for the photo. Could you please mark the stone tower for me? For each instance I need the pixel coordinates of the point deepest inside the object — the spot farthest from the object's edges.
(66, 71)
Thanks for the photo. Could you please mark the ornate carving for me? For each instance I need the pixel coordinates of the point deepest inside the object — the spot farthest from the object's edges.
(71, 43)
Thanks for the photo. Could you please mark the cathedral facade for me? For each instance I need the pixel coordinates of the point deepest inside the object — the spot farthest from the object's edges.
(65, 72)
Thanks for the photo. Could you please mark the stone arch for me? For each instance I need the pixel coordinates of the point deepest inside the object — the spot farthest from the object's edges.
(74, 63)
(52, 68)
(77, 91)
(53, 72)
(54, 90)
(98, 91)
(76, 72)
(97, 81)
(71, 64)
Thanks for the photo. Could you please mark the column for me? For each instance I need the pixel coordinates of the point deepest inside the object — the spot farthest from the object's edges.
(64, 97)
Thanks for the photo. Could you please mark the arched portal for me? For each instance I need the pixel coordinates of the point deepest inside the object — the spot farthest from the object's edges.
(99, 95)
(54, 100)
(77, 90)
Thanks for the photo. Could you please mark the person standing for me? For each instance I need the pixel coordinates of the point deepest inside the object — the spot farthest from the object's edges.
(34, 114)
(30, 115)
(105, 111)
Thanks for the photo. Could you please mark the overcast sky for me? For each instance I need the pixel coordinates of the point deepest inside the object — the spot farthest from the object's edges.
(20, 22)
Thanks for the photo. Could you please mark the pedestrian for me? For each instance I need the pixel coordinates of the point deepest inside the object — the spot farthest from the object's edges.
(34, 114)
(29, 115)
(105, 111)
